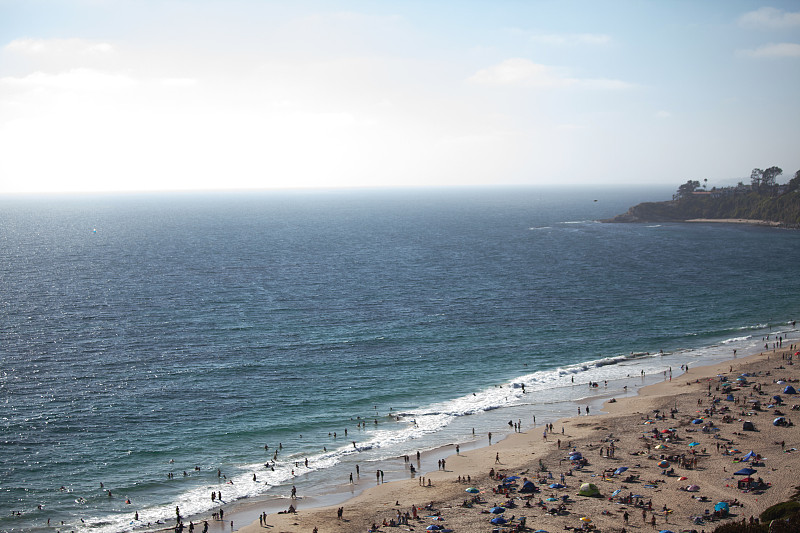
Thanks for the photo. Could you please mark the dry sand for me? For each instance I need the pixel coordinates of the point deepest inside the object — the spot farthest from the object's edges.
(624, 424)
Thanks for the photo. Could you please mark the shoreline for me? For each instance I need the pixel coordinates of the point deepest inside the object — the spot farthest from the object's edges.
(752, 222)
(446, 491)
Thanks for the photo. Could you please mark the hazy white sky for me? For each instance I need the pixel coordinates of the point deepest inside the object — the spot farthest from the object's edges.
(104, 95)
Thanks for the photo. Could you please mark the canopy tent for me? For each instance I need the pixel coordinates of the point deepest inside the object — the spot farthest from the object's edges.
(747, 483)
(745, 472)
(589, 489)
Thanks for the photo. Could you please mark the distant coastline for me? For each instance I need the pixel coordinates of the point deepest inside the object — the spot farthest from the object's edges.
(777, 206)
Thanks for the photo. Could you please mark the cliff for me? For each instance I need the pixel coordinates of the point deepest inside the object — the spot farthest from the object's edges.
(783, 210)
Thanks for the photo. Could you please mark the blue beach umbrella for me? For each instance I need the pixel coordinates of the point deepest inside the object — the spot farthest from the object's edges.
(697, 421)
(498, 520)
(666, 531)
(556, 486)
(497, 510)
(473, 490)
(693, 444)
(434, 527)
(620, 470)
(512, 478)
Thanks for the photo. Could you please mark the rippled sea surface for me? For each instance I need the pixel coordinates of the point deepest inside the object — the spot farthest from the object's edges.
(149, 341)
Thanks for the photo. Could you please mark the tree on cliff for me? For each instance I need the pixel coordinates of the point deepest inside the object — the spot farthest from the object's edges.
(755, 178)
(688, 188)
(769, 176)
(794, 183)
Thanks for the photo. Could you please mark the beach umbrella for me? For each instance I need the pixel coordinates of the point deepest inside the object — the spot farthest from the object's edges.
(749, 456)
(663, 464)
(434, 527)
(778, 421)
(586, 519)
(661, 447)
(512, 478)
(497, 510)
(540, 531)
(498, 520)
(722, 506)
(616, 492)
(666, 531)
(693, 488)
(551, 499)
(620, 470)
(473, 490)
(556, 486)
(694, 443)
(682, 478)
(697, 421)
(745, 472)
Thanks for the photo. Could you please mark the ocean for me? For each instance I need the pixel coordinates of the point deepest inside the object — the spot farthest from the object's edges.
(157, 343)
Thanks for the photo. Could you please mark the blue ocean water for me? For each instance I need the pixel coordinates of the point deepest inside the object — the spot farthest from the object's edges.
(150, 335)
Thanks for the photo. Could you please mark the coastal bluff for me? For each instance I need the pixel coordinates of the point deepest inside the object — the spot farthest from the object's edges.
(780, 210)
(650, 212)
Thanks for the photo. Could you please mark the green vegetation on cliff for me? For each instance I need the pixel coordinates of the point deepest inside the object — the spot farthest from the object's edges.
(774, 203)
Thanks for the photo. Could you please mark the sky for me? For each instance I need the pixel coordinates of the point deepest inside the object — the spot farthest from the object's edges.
(134, 95)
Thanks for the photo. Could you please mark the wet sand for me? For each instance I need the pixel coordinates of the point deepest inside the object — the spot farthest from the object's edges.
(629, 423)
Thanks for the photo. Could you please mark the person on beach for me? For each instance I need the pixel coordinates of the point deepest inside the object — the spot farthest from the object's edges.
(490, 438)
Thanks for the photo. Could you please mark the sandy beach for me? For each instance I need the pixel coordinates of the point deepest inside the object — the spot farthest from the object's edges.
(662, 423)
